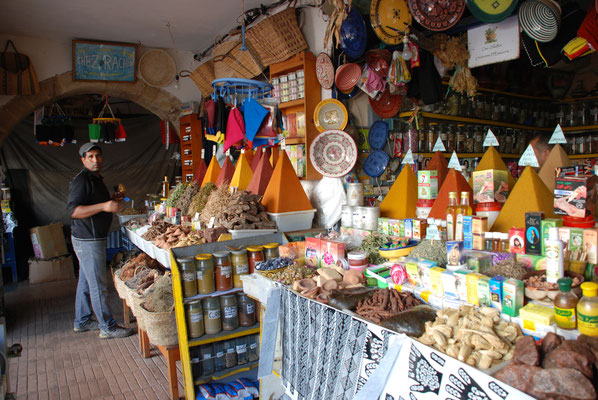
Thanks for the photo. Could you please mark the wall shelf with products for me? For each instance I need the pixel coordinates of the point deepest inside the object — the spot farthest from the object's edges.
(581, 156)
(191, 145)
(583, 128)
(424, 114)
(466, 155)
(227, 373)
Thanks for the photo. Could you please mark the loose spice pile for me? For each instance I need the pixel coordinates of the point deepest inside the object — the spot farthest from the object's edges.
(384, 304)
(371, 245)
(157, 229)
(185, 200)
(178, 236)
(433, 250)
(290, 274)
(175, 195)
(141, 260)
(160, 299)
(217, 204)
(508, 268)
(201, 198)
(245, 211)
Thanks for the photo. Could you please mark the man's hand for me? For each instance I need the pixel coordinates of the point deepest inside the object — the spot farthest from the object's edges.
(112, 206)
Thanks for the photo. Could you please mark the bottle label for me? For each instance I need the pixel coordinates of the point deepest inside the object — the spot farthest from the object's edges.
(458, 227)
(242, 348)
(220, 354)
(199, 275)
(587, 324)
(196, 317)
(214, 314)
(188, 276)
(230, 350)
(242, 269)
(253, 346)
(226, 270)
(230, 312)
(565, 317)
(207, 356)
(450, 227)
(250, 308)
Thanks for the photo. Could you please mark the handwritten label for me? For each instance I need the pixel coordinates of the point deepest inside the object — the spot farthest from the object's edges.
(439, 146)
(558, 137)
(454, 162)
(490, 139)
(528, 158)
(408, 158)
(211, 222)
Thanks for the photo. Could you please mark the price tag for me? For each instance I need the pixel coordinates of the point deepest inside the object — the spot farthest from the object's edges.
(242, 151)
(227, 153)
(454, 162)
(408, 159)
(214, 149)
(528, 158)
(490, 139)
(558, 137)
(203, 153)
(211, 223)
(439, 146)
(283, 144)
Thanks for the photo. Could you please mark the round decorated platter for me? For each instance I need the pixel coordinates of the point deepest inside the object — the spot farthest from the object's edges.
(491, 10)
(389, 19)
(353, 34)
(388, 105)
(330, 114)
(539, 20)
(437, 15)
(324, 71)
(333, 153)
(347, 76)
(376, 163)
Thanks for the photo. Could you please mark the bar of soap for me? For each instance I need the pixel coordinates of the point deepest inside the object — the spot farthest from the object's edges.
(401, 200)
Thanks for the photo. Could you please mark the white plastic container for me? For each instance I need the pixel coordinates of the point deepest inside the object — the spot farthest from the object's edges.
(490, 211)
(163, 257)
(370, 217)
(355, 194)
(357, 218)
(347, 216)
(293, 220)
(257, 286)
(122, 218)
(243, 233)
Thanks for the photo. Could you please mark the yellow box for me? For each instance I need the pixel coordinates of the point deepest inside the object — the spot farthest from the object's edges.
(478, 242)
(413, 273)
(472, 288)
(436, 279)
(537, 314)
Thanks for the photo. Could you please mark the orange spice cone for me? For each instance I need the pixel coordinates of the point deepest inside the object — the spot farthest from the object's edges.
(440, 164)
(212, 172)
(242, 175)
(284, 192)
(454, 182)
(226, 173)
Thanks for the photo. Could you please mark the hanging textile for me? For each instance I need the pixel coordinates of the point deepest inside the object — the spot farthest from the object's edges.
(54, 130)
(106, 130)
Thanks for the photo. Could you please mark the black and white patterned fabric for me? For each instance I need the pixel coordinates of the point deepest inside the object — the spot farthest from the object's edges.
(322, 349)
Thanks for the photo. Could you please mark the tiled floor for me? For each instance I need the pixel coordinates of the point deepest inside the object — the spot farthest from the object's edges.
(57, 363)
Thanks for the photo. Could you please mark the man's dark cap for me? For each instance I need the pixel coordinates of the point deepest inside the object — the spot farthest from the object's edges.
(87, 147)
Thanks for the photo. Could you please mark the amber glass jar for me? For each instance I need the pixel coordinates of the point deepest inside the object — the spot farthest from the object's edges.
(255, 254)
(195, 319)
(270, 250)
(204, 267)
(246, 310)
(188, 279)
(240, 266)
(223, 271)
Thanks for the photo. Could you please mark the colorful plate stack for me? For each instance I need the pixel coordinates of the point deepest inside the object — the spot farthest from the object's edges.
(540, 19)
(378, 160)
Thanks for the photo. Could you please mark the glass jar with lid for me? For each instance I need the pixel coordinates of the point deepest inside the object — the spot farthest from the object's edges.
(229, 312)
(589, 147)
(509, 141)
(255, 256)
(206, 354)
(271, 251)
(594, 113)
(581, 144)
(442, 133)
(253, 347)
(195, 323)
(230, 353)
(460, 137)
(478, 139)
(223, 271)
(421, 140)
(450, 138)
(247, 316)
(187, 267)
(240, 266)
(469, 139)
(410, 138)
(453, 103)
(241, 347)
(204, 267)
(219, 362)
(211, 315)
(583, 113)
(432, 136)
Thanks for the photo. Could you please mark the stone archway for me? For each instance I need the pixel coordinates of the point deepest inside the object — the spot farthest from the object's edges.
(156, 100)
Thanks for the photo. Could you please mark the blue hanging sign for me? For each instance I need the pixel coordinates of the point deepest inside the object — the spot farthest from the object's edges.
(104, 61)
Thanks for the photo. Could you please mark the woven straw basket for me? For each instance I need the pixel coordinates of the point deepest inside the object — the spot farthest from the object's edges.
(231, 62)
(134, 301)
(276, 38)
(120, 286)
(203, 77)
(160, 326)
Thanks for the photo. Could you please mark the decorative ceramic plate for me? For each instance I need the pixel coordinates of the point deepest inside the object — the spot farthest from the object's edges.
(353, 34)
(330, 114)
(437, 15)
(491, 10)
(539, 20)
(376, 163)
(390, 18)
(388, 105)
(324, 71)
(378, 135)
(347, 76)
(333, 153)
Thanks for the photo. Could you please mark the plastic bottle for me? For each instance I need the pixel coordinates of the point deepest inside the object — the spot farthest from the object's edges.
(165, 188)
(564, 305)
(463, 210)
(504, 242)
(451, 215)
(587, 310)
(555, 262)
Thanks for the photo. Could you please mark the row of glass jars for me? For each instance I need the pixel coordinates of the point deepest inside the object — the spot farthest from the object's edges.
(461, 138)
(222, 270)
(215, 314)
(210, 358)
(582, 144)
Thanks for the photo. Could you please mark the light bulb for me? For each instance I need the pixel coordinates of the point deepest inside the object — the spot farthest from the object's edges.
(406, 54)
(176, 82)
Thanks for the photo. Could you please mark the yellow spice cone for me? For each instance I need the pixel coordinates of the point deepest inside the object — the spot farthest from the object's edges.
(529, 194)
(284, 192)
(401, 200)
(557, 158)
(242, 175)
(212, 172)
(492, 160)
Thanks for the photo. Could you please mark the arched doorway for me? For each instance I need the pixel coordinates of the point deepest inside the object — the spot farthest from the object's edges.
(158, 101)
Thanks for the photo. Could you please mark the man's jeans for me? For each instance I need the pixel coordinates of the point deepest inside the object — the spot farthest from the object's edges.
(92, 283)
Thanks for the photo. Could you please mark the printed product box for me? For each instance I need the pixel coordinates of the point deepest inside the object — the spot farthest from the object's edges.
(427, 185)
(472, 288)
(537, 314)
(496, 291)
(547, 224)
(490, 186)
(393, 227)
(576, 240)
(565, 236)
(534, 263)
(449, 284)
(424, 273)
(468, 242)
(419, 229)
(312, 251)
(454, 252)
(484, 291)
(330, 252)
(533, 233)
(517, 240)
(512, 291)
(402, 228)
(478, 242)
(574, 195)
(479, 225)
(413, 273)
(467, 225)
(461, 283)
(436, 280)
(478, 261)
(590, 244)
(383, 226)
(409, 228)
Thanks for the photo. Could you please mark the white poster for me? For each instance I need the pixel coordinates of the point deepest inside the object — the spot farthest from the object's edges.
(492, 43)
(422, 373)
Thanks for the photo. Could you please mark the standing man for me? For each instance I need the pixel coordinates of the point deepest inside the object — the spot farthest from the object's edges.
(90, 207)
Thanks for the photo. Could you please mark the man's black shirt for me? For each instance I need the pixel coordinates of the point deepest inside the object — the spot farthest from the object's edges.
(87, 189)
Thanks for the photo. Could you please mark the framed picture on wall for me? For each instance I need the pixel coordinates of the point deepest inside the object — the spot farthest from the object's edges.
(104, 61)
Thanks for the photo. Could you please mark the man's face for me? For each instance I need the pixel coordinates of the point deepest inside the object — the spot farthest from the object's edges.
(92, 160)
(542, 152)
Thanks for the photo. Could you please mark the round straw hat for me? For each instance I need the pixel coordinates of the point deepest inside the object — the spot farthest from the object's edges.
(157, 68)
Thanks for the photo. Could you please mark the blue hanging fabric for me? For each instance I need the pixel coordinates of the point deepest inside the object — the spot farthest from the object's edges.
(254, 114)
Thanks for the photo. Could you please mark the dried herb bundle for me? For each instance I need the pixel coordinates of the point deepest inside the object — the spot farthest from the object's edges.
(185, 200)
(201, 198)
(175, 195)
(217, 203)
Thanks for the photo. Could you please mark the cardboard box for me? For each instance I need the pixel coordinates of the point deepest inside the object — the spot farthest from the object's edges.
(472, 287)
(590, 244)
(449, 284)
(48, 241)
(461, 283)
(413, 273)
(424, 268)
(574, 195)
(517, 240)
(454, 252)
(478, 242)
(436, 280)
(312, 251)
(533, 233)
(479, 225)
(419, 229)
(512, 291)
(490, 186)
(484, 292)
(538, 314)
(496, 291)
(383, 226)
(467, 225)
(56, 269)
(468, 242)
(576, 240)
(330, 252)
(409, 228)
(547, 224)
(427, 185)
(534, 263)
(565, 236)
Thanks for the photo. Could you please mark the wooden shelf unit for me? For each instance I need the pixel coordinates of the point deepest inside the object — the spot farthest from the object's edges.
(477, 121)
(191, 145)
(467, 155)
(307, 62)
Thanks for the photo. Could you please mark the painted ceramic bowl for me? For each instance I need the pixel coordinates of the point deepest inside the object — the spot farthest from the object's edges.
(333, 153)
(437, 15)
(330, 114)
(347, 76)
(324, 71)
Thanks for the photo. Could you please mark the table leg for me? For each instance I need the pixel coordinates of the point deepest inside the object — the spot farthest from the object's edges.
(172, 355)
(126, 313)
(144, 344)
